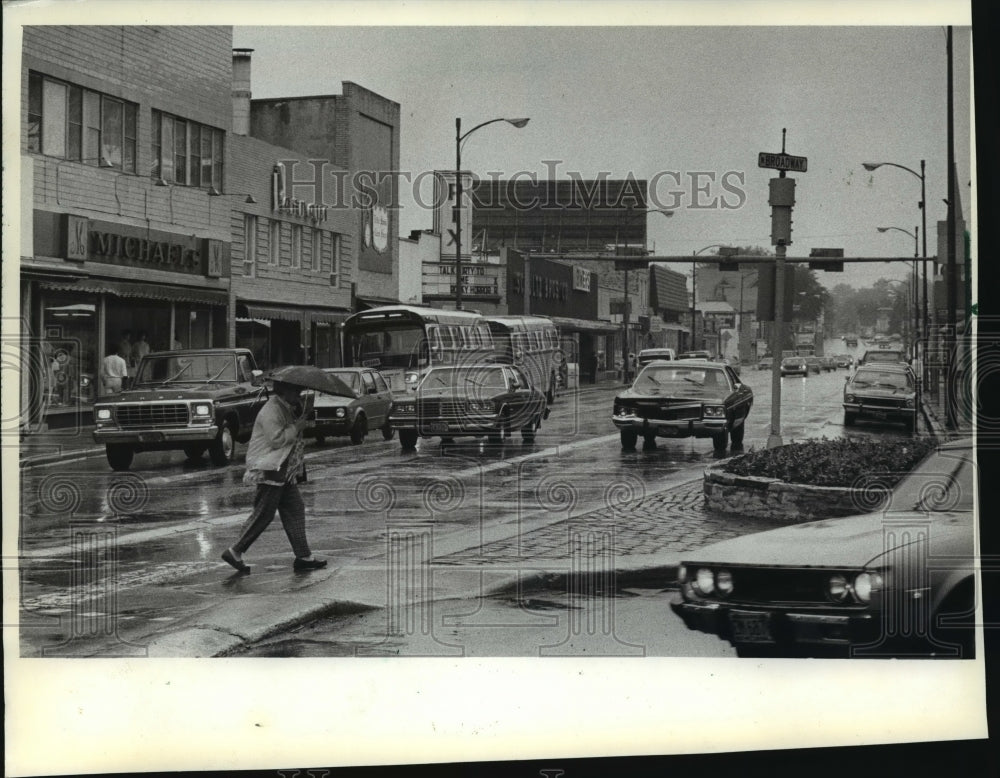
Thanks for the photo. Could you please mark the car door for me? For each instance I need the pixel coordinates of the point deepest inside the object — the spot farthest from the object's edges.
(741, 397)
(382, 401)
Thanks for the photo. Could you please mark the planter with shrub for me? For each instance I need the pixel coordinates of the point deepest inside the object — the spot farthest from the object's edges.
(813, 479)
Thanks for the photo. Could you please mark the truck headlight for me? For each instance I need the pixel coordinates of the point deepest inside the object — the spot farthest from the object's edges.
(202, 409)
(102, 414)
(340, 413)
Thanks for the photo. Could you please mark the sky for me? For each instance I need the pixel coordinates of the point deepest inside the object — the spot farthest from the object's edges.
(686, 107)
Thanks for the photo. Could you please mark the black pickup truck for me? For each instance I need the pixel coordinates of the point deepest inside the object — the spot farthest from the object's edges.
(189, 400)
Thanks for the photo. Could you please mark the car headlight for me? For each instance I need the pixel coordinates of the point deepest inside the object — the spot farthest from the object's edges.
(865, 584)
(909, 403)
(480, 407)
(340, 413)
(202, 409)
(405, 408)
(714, 411)
(704, 581)
(837, 588)
(103, 414)
(724, 582)
(848, 398)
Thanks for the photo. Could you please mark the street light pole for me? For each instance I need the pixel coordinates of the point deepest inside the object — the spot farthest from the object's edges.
(916, 310)
(457, 212)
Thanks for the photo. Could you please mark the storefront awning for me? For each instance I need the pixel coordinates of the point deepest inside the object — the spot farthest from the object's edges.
(301, 315)
(134, 289)
(584, 325)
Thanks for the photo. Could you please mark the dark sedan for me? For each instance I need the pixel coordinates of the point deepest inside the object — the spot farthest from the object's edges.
(353, 416)
(693, 398)
(882, 392)
(898, 582)
(794, 366)
(489, 400)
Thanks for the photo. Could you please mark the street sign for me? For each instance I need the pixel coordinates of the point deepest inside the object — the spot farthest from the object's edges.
(782, 162)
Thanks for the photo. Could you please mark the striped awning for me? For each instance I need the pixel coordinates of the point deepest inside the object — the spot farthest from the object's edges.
(584, 325)
(135, 289)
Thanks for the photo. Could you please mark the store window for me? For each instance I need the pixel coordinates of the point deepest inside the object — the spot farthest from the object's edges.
(249, 244)
(73, 123)
(296, 246)
(335, 260)
(274, 243)
(314, 256)
(69, 355)
(186, 152)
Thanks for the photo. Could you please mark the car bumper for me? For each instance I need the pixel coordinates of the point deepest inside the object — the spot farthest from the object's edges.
(805, 627)
(671, 428)
(794, 372)
(471, 425)
(330, 426)
(878, 413)
(156, 436)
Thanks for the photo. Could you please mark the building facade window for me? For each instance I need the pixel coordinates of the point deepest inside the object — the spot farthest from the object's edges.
(313, 259)
(296, 246)
(186, 152)
(334, 259)
(249, 244)
(70, 122)
(274, 243)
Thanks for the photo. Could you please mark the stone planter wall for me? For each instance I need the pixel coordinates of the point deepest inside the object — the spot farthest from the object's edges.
(755, 497)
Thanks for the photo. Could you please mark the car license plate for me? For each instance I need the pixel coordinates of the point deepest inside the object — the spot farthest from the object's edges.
(438, 426)
(751, 627)
(669, 432)
(151, 437)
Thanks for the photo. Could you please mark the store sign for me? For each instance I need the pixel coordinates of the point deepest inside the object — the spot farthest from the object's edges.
(581, 278)
(77, 238)
(213, 250)
(380, 228)
(291, 206)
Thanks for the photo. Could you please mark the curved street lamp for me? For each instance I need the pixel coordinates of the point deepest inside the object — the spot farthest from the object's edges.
(459, 137)
(694, 287)
(913, 291)
(922, 205)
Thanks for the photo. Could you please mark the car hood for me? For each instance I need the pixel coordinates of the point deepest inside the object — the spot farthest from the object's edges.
(673, 395)
(167, 393)
(324, 400)
(853, 541)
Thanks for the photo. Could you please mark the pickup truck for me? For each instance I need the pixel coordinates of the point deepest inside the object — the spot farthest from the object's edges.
(191, 400)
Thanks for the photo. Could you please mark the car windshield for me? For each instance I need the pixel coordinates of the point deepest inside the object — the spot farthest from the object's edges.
(349, 377)
(684, 379)
(942, 482)
(463, 378)
(187, 368)
(883, 379)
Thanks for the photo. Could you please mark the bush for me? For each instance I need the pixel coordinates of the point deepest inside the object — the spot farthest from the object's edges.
(837, 462)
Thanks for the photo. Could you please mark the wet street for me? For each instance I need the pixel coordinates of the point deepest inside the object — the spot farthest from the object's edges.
(108, 556)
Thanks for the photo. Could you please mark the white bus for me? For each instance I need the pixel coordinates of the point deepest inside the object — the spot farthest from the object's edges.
(404, 341)
(532, 342)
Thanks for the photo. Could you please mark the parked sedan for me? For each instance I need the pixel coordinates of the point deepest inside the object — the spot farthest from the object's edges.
(490, 400)
(858, 586)
(766, 363)
(354, 416)
(693, 398)
(794, 366)
(882, 392)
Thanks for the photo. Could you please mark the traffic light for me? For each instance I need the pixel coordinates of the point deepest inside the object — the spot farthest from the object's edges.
(827, 266)
(765, 291)
(725, 252)
(781, 199)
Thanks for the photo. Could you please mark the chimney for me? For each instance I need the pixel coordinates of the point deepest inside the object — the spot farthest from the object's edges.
(241, 91)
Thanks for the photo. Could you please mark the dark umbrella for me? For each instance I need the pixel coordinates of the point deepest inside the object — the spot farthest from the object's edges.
(309, 377)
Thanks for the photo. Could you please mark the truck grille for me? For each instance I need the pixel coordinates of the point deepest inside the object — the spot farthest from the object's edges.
(153, 415)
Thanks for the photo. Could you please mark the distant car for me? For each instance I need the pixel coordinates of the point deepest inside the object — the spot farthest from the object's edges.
(814, 365)
(694, 355)
(858, 586)
(478, 400)
(354, 416)
(692, 398)
(194, 400)
(882, 392)
(794, 366)
(766, 363)
(829, 364)
(647, 355)
(844, 360)
(896, 355)
(851, 341)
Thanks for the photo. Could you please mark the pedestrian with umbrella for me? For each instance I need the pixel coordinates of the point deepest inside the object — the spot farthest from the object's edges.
(275, 463)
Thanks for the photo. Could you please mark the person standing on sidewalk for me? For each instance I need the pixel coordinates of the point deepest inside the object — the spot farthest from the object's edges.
(275, 465)
(114, 369)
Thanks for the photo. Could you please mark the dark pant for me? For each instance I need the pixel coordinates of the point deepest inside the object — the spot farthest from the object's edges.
(287, 501)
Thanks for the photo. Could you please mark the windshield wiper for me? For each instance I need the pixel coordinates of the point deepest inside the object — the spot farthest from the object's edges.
(692, 381)
(178, 375)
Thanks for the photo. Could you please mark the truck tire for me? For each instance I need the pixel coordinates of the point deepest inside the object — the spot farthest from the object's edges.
(119, 456)
(408, 438)
(194, 451)
(223, 447)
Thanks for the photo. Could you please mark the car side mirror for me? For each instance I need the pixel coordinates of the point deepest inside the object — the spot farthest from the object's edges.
(257, 377)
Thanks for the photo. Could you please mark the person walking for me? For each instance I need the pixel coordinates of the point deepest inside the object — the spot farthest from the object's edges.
(114, 369)
(275, 464)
